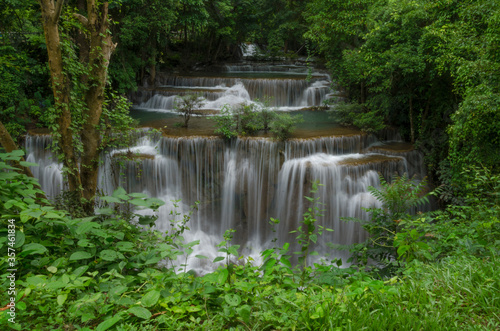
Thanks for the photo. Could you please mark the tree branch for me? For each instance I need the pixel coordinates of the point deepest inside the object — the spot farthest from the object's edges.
(104, 19)
(58, 9)
(82, 19)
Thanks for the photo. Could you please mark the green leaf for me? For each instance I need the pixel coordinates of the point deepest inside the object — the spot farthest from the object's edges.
(150, 298)
(232, 299)
(222, 277)
(61, 298)
(138, 195)
(108, 323)
(108, 255)
(285, 261)
(80, 256)
(140, 312)
(244, 312)
(86, 227)
(20, 239)
(105, 211)
(140, 202)
(80, 270)
(52, 269)
(125, 246)
(402, 249)
(218, 258)
(111, 199)
(34, 248)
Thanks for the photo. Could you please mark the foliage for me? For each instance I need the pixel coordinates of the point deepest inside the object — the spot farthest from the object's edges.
(475, 132)
(430, 68)
(283, 125)
(103, 272)
(246, 120)
(24, 97)
(355, 114)
(309, 231)
(226, 125)
(398, 199)
(187, 106)
(249, 120)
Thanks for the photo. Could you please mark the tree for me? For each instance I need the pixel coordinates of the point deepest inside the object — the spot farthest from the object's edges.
(187, 105)
(79, 91)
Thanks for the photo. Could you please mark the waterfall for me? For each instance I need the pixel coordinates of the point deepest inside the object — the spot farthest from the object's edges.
(242, 184)
(49, 170)
(287, 87)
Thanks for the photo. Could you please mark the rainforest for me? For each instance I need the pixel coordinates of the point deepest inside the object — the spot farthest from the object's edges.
(249, 165)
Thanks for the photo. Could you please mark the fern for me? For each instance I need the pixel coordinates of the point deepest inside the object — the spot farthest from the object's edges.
(399, 199)
(401, 195)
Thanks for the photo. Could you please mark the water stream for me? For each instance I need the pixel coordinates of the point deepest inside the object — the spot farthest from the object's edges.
(243, 183)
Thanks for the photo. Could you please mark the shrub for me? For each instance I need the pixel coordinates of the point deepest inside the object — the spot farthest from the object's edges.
(187, 105)
(226, 124)
(283, 125)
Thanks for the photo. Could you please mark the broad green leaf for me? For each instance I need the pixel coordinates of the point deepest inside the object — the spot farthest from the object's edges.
(138, 195)
(61, 298)
(86, 227)
(80, 256)
(403, 249)
(219, 258)
(117, 290)
(222, 277)
(140, 202)
(125, 246)
(111, 199)
(140, 312)
(150, 298)
(268, 265)
(108, 323)
(20, 238)
(108, 255)
(105, 211)
(80, 270)
(232, 299)
(285, 261)
(34, 248)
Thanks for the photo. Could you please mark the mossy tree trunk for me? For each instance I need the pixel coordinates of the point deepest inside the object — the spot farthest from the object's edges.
(96, 51)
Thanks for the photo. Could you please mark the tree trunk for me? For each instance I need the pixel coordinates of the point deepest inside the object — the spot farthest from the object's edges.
(51, 10)
(101, 48)
(96, 52)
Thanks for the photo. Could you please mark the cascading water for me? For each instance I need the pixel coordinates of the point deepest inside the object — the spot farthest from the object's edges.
(243, 183)
(283, 87)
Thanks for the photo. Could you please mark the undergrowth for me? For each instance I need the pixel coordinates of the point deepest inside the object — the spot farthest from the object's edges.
(104, 272)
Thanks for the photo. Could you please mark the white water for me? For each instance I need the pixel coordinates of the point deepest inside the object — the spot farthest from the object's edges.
(284, 87)
(242, 185)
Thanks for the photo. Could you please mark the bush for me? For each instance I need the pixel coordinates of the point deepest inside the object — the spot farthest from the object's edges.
(187, 104)
(356, 114)
(248, 119)
(283, 125)
(398, 198)
(226, 124)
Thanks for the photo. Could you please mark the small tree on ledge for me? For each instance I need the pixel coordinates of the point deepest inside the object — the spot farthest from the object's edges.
(187, 105)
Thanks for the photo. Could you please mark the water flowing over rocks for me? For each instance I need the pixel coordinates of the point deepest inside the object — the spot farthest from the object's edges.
(241, 184)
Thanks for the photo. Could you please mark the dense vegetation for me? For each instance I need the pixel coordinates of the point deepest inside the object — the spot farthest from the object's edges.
(429, 68)
(435, 271)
